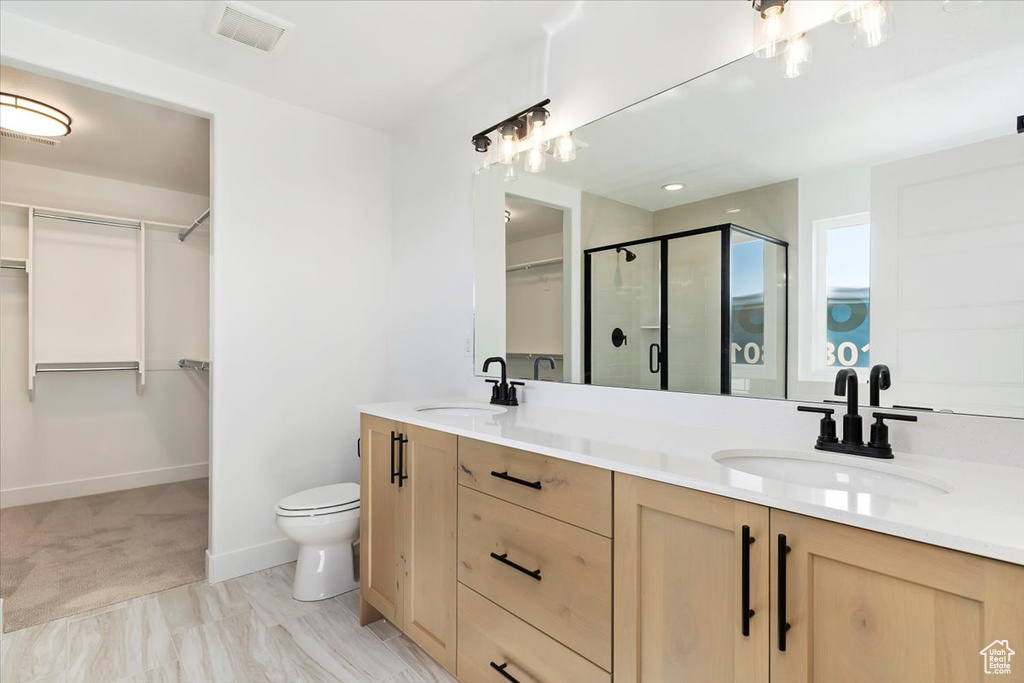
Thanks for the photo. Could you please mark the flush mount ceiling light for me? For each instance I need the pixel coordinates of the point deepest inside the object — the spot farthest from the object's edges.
(32, 117)
(673, 187)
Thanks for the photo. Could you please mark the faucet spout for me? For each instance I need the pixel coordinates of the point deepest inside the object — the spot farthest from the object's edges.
(500, 361)
(853, 426)
(879, 381)
(536, 365)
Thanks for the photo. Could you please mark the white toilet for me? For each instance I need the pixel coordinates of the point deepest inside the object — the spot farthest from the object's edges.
(324, 522)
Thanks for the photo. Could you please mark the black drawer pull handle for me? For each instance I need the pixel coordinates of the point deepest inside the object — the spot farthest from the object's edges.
(500, 668)
(745, 552)
(784, 625)
(503, 558)
(402, 476)
(516, 480)
(394, 439)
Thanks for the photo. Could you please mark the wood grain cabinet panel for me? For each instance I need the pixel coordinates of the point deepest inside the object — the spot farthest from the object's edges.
(570, 600)
(679, 585)
(408, 533)
(429, 523)
(864, 606)
(379, 525)
(488, 633)
(578, 494)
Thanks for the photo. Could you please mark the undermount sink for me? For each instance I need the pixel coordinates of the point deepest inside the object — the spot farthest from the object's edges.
(828, 471)
(461, 409)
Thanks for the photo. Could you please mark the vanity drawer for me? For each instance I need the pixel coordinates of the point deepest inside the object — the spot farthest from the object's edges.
(574, 493)
(569, 596)
(487, 633)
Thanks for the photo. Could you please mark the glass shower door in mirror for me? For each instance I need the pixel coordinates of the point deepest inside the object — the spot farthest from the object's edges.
(623, 345)
(694, 312)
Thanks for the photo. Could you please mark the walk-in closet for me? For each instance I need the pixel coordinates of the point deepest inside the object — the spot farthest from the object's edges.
(104, 349)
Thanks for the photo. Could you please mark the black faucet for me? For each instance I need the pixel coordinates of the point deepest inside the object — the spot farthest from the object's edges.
(846, 385)
(879, 381)
(504, 392)
(853, 430)
(536, 364)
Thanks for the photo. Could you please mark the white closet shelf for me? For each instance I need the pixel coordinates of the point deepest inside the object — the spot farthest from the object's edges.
(13, 263)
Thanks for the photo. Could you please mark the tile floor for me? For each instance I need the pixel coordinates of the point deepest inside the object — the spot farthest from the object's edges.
(245, 630)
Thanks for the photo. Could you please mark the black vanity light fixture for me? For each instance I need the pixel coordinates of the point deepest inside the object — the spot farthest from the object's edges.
(524, 135)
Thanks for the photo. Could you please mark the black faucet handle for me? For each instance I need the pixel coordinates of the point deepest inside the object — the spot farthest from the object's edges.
(517, 384)
(513, 400)
(894, 416)
(827, 427)
(880, 431)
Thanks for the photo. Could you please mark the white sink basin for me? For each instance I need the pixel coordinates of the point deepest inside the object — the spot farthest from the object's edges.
(461, 409)
(836, 472)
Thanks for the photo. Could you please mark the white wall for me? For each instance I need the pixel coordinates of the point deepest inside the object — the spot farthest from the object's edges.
(92, 432)
(299, 285)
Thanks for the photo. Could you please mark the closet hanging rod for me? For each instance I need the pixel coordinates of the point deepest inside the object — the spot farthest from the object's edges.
(195, 224)
(91, 221)
(534, 264)
(189, 364)
(85, 367)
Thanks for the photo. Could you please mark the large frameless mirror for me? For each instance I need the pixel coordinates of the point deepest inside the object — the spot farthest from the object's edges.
(750, 234)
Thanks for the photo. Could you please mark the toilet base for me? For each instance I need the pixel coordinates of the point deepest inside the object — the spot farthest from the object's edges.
(323, 572)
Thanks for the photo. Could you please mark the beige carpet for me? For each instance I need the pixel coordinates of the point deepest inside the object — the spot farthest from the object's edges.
(71, 556)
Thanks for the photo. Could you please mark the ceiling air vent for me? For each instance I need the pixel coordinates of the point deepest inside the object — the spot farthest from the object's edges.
(244, 24)
(10, 134)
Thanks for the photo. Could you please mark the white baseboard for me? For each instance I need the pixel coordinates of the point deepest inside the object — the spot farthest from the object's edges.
(86, 487)
(248, 560)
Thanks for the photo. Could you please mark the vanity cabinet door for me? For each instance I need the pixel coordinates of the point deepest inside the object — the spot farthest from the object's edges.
(679, 585)
(428, 503)
(864, 606)
(379, 524)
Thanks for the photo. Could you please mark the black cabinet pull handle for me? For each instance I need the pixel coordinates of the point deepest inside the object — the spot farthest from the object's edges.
(516, 480)
(503, 558)
(746, 541)
(784, 625)
(654, 358)
(402, 476)
(500, 668)
(394, 473)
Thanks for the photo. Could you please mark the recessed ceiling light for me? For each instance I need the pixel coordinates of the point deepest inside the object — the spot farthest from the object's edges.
(673, 187)
(732, 210)
(32, 117)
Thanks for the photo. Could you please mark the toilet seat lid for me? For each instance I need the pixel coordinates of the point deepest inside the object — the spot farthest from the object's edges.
(322, 497)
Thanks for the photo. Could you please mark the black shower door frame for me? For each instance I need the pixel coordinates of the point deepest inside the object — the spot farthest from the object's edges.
(726, 230)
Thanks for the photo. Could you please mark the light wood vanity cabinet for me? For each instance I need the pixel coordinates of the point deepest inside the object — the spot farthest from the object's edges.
(679, 585)
(861, 606)
(535, 567)
(408, 533)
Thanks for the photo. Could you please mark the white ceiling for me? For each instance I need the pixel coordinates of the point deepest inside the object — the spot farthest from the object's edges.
(529, 219)
(942, 80)
(114, 136)
(373, 63)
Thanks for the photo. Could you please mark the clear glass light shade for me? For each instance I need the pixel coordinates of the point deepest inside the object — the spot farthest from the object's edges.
(874, 24)
(565, 148)
(24, 115)
(534, 160)
(510, 175)
(796, 61)
(770, 34)
(508, 149)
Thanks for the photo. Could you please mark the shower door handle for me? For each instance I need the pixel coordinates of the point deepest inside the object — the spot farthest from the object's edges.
(654, 358)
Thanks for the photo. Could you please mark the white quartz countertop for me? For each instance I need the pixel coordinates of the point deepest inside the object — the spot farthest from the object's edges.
(983, 512)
